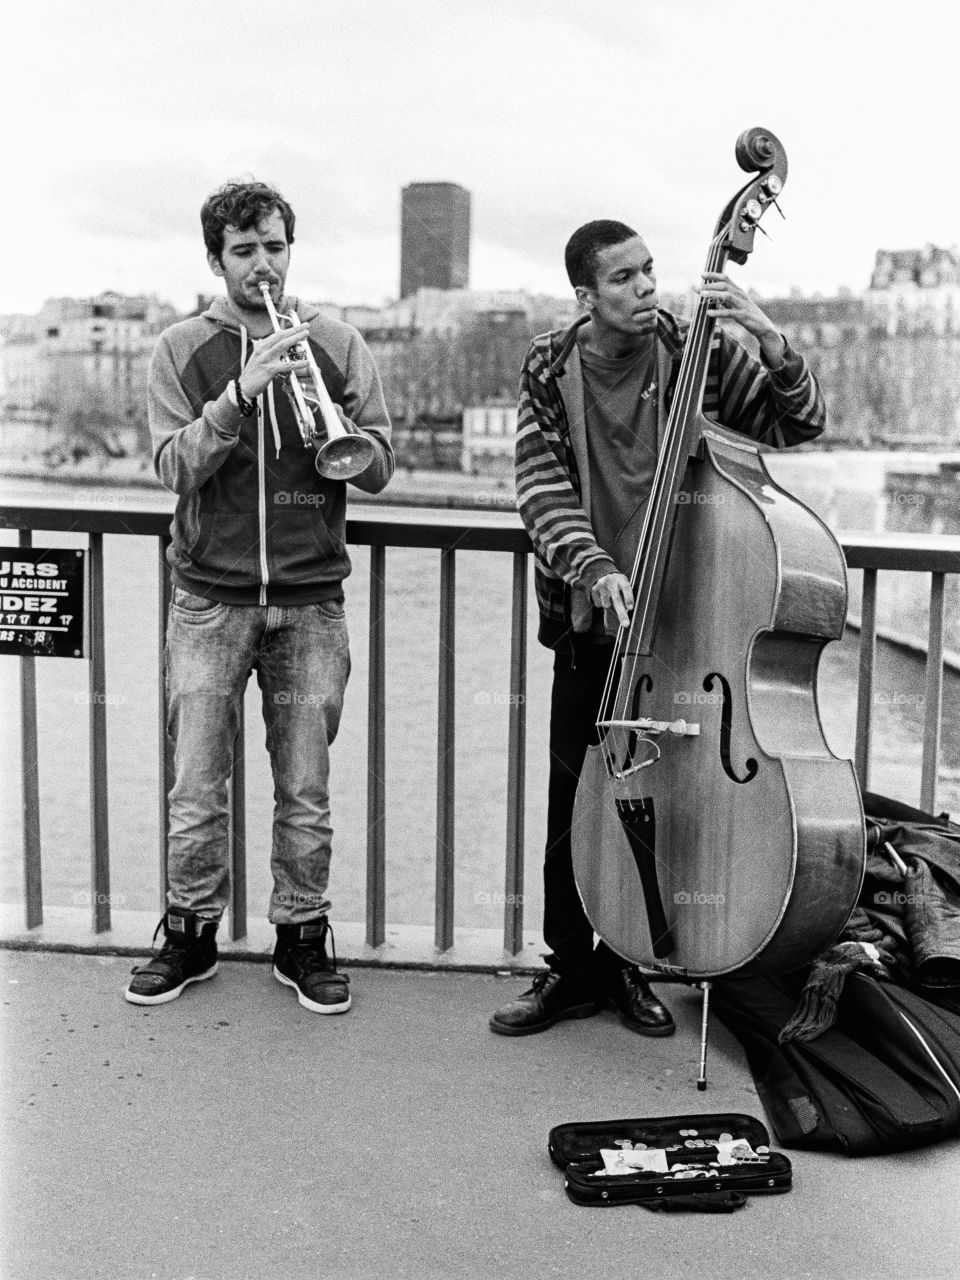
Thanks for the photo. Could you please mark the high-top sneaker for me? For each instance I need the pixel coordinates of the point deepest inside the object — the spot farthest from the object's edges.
(300, 961)
(188, 954)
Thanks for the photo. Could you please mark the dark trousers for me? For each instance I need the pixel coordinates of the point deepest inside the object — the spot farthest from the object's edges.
(578, 682)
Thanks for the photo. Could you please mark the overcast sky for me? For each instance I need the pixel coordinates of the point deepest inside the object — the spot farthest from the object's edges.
(122, 115)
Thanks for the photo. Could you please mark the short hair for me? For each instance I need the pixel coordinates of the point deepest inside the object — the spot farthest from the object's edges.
(583, 248)
(241, 205)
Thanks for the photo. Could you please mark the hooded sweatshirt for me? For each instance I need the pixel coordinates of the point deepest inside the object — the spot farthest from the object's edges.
(255, 523)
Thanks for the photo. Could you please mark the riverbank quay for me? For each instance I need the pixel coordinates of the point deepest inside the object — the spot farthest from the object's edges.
(849, 488)
(232, 1135)
(408, 488)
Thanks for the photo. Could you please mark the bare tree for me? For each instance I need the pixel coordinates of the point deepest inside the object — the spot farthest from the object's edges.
(91, 414)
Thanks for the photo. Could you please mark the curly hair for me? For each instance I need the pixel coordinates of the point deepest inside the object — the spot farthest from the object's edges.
(580, 255)
(241, 205)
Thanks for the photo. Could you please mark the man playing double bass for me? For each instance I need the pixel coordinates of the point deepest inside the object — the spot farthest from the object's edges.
(594, 400)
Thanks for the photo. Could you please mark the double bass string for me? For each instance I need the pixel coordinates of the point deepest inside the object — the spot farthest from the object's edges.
(658, 521)
(667, 464)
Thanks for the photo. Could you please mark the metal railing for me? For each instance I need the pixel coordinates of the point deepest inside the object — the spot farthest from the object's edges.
(936, 556)
(447, 532)
(378, 528)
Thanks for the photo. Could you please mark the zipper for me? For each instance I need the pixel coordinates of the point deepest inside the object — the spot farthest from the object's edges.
(262, 499)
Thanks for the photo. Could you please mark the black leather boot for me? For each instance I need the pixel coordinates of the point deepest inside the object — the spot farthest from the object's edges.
(638, 1008)
(553, 997)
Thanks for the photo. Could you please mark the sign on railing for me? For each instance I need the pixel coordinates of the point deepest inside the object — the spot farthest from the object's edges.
(41, 603)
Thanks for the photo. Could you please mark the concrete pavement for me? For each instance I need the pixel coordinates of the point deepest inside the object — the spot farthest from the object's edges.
(232, 1135)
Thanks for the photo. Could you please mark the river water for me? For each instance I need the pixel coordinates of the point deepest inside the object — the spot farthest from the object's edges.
(849, 491)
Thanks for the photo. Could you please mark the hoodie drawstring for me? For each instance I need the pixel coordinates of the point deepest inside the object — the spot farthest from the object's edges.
(244, 338)
(273, 417)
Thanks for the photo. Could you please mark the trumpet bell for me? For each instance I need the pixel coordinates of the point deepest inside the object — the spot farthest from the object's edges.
(344, 456)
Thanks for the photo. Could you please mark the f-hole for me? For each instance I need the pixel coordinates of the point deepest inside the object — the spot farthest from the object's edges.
(726, 717)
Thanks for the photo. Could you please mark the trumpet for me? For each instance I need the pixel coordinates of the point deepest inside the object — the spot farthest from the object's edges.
(342, 455)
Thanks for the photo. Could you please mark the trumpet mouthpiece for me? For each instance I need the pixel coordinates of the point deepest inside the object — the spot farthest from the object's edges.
(271, 309)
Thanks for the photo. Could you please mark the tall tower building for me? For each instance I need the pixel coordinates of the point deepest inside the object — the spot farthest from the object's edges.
(434, 236)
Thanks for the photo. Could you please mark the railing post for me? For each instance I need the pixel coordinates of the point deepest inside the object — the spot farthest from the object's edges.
(376, 752)
(446, 742)
(99, 822)
(933, 694)
(30, 776)
(165, 752)
(868, 651)
(516, 761)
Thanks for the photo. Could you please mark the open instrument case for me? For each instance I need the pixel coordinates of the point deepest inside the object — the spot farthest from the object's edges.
(603, 1160)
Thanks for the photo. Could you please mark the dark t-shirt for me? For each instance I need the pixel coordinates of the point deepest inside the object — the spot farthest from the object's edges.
(620, 405)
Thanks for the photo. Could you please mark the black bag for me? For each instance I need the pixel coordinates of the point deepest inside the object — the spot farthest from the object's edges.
(672, 1141)
(885, 1077)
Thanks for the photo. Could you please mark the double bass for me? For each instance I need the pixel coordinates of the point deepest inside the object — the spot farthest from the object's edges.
(715, 832)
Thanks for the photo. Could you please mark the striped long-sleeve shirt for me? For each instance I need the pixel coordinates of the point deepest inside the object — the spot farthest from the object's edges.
(778, 408)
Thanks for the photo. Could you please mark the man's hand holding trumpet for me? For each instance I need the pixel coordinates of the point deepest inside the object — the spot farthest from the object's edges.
(271, 359)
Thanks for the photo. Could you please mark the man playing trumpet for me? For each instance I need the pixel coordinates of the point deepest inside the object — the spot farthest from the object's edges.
(258, 562)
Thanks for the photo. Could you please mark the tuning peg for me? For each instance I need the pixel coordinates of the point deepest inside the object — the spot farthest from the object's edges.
(750, 215)
(780, 211)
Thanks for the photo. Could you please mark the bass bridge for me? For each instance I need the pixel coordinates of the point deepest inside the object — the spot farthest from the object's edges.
(647, 730)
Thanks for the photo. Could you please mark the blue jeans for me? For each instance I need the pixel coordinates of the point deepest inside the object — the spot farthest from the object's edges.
(302, 659)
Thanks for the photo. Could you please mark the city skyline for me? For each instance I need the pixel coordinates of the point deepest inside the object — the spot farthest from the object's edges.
(505, 295)
(547, 115)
